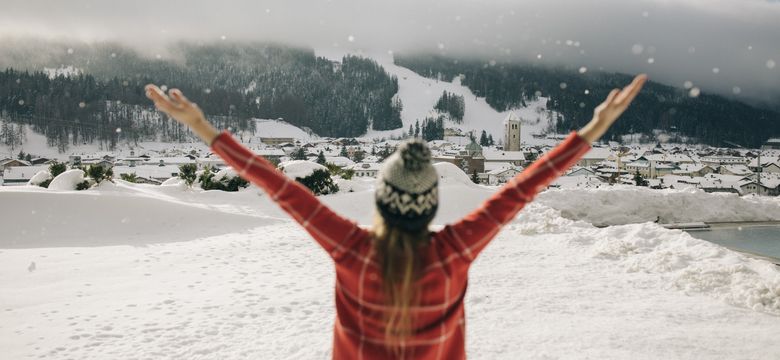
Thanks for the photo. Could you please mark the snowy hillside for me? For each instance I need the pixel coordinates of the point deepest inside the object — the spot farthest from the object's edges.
(419, 95)
(142, 271)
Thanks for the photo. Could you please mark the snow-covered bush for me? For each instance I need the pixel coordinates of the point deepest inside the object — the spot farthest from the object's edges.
(225, 180)
(69, 180)
(41, 178)
(312, 175)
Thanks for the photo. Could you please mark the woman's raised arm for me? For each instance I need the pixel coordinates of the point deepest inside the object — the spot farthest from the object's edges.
(471, 234)
(333, 232)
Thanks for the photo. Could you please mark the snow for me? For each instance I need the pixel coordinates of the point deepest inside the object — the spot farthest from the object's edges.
(419, 95)
(630, 204)
(39, 177)
(451, 174)
(67, 180)
(300, 168)
(276, 128)
(142, 271)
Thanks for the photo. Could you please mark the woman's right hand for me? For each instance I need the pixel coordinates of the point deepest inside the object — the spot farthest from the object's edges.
(184, 111)
(610, 110)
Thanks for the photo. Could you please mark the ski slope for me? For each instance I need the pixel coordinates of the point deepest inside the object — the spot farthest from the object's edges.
(140, 271)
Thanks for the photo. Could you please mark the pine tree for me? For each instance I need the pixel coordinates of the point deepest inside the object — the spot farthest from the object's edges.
(490, 140)
(321, 158)
(474, 177)
(187, 173)
(483, 139)
(343, 151)
(299, 154)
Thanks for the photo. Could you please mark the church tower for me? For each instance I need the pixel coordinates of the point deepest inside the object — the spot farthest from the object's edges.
(512, 133)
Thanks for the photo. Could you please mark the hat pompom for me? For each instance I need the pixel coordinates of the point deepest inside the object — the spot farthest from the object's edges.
(415, 154)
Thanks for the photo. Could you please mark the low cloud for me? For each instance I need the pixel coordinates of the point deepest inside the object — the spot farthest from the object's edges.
(723, 46)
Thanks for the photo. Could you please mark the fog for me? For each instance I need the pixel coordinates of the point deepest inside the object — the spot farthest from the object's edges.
(725, 46)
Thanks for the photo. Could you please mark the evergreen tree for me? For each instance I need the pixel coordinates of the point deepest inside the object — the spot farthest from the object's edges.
(358, 156)
(474, 177)
(187, 173)
(321, 158)
(20, 156)
(299, 154)
(319, 182)
(639, 180)
(483, 139)
(343, 151)
(490, 140)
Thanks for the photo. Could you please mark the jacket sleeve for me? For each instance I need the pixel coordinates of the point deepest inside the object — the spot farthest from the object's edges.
(333, 232)
(471, 234)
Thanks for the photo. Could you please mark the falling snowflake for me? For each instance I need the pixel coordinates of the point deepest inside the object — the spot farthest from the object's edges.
(637, 49)
(645, 14)
(440, 46)
(770, 64)
(587, 92)
(390, 52)
(267, 11)
(351, 38)
(70, 51)
(113, 55)
(736, 90)
(223, 37)
(21, 102)
(164, 88)
(715, 70)
(207, 91)
(82, 104)
(158, 56)
(582, 105)
(651, 61)
(695, 92)
(492, 63)
(538, 93)
(538, 56)
(583, 70)
(688, 84)
(118, 130)
(564, 86)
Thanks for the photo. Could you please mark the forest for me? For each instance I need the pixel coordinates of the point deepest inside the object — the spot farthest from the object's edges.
(705, 118)
(232, 83)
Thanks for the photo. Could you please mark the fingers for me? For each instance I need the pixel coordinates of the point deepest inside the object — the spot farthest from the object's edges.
(630, 92)
(611, 96)
(178, 97)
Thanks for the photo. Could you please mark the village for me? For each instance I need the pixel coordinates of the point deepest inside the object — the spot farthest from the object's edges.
(654, 165)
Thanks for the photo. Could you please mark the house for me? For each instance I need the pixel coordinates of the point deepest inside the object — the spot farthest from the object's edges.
(735, 170)
(581, 171)
(277, 141)
(594, 156)
(365, 169)
(20, 175)
(693, 170)
(8, 163)
(502, 175)
(516, 158)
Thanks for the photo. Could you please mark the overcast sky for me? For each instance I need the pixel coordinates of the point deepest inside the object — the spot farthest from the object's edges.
(724, 46)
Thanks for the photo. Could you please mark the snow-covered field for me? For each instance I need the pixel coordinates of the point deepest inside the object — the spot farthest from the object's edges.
(164, 272)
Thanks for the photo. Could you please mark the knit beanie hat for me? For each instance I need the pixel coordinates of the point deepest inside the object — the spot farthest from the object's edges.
(406, 192)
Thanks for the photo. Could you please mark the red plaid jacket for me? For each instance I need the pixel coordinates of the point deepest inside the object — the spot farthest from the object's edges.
(439, 319)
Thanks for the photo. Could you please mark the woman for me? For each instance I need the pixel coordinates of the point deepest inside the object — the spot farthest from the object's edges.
(399, 287)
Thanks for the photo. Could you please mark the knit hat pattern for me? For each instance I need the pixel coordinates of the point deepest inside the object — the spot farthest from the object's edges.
(406, 194)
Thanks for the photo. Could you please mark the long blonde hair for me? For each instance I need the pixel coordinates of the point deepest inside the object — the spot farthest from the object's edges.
(397, 252)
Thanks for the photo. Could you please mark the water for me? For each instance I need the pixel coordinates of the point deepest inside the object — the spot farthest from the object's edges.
(758, 239)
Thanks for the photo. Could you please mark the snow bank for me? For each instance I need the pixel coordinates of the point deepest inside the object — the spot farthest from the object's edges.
(688, 264)
(174, 181)
(451, 174)
(100, 218)
(39, 177)
(300, 168)
(67, 180)
(628, 204)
